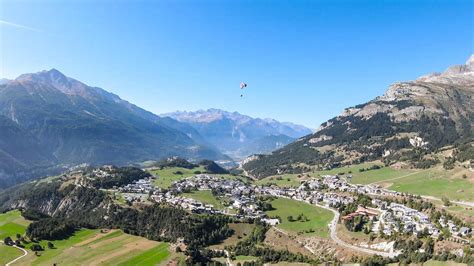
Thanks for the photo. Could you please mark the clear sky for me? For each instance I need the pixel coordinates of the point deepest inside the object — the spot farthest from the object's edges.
(303, 61)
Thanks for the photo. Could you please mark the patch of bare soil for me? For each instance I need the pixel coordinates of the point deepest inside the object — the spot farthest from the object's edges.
(309, 246)
(283, 242)
(447, 245)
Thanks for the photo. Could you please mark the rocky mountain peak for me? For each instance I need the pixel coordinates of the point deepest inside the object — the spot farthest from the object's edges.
(54, 78)
(456, 74)
(470, 61)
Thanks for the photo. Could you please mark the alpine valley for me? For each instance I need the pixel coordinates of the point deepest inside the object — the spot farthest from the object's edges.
(50, 122)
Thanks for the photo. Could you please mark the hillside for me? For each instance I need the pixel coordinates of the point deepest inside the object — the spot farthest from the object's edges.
(239, 135)
(407, 123)
(51, 121)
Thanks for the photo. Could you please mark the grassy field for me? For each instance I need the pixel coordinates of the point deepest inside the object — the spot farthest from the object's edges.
(8, 254)
(12, 223)
(243, 259)
(284, 181)
(435, 181)
(438, 183)
(318, 218)
(167, 176)
(205, 196)
(85, 247)
(91, 247)
(366, 177)
(238, 259)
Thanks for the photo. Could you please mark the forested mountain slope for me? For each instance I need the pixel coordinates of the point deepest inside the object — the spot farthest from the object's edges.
(49, 121)
(408, 122)
(240, 135)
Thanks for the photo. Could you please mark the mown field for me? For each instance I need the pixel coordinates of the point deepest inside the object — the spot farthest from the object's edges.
(92, 247)
(85, 247)
(12, 223)
(438, 183)
(8, 254)
(318, 218)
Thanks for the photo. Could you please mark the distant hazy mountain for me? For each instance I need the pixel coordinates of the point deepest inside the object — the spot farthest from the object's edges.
(408, 122)
(48, 119)
(239, 135)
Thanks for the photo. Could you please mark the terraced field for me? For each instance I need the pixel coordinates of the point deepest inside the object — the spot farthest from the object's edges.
(317, 218)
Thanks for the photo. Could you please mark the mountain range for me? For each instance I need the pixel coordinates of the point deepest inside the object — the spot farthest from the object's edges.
(239, 135)
(49, 122)
(406, 124)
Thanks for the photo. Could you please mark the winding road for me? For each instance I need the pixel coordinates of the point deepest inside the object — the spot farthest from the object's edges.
(335, 238)
(13, 261)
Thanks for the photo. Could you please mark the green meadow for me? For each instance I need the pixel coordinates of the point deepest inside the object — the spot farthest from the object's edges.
(87, 247)
(167, 176)
(317, 218)
(205, 196)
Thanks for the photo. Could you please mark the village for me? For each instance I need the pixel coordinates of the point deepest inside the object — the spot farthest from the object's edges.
(329, 191)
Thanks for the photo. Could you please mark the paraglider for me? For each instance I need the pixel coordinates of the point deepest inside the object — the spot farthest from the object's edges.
(242, 86)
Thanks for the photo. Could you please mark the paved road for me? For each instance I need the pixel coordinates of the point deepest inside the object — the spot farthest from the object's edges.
(13, 261)
(229, 262)
(335, 238)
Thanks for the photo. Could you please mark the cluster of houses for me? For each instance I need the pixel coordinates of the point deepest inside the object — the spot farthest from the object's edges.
(334, 182)
(453, 228)
(400, 218)
(311, 196)
(361, 211)
(241, 197)
(144, 186)
(186, 203)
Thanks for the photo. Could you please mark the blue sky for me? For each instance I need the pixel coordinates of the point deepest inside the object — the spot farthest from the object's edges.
(303, 61)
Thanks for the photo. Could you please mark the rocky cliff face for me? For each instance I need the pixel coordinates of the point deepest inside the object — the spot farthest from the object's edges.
(428, 113)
